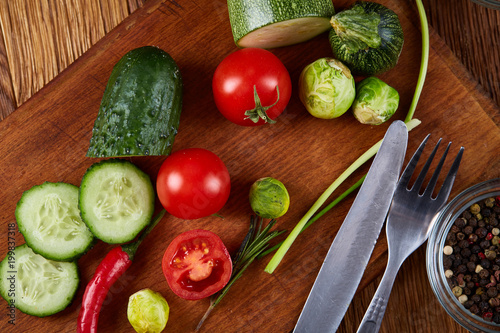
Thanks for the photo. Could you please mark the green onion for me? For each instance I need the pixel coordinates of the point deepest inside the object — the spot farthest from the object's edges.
(410, 124)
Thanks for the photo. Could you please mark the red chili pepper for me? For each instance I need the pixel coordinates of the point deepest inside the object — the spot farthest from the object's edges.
(116, 262)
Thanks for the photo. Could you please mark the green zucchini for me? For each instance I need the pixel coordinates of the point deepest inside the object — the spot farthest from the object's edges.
(116, 200)
(367, 37)
(275, 23)
(35, 285)
(141, 106)
(49, 219)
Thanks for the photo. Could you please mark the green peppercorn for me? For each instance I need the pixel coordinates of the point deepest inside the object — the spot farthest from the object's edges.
(457, 291)
(475, 208)
(489, 202)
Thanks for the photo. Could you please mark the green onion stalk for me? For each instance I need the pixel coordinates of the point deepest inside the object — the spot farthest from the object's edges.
(410, 122)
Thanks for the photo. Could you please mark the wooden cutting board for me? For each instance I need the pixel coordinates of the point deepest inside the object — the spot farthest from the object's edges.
(47, 137)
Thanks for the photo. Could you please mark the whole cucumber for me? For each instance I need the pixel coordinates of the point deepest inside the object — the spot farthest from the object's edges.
(140, 109)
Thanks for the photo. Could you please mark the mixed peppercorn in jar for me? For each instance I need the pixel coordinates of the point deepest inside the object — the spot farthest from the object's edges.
(471, 259)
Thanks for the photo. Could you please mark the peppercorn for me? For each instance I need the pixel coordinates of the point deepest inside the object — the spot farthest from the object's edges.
(484, 274)
(472, 258)
(468, 230)
(460, 222)
(490, 254)
(474, 309)
(492, 292)
(457, 291)
(489, 202)
(474, 209)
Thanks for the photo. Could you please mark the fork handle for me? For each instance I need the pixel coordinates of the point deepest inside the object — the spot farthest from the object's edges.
(375, 313)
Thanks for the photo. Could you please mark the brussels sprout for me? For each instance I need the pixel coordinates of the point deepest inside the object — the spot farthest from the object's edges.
(269, 198)
(326, 88)
(375, 101)
(147, 311)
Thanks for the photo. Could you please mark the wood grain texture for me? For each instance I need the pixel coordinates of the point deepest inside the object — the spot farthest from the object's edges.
(42, 38)
(472, 32)
(65, 136)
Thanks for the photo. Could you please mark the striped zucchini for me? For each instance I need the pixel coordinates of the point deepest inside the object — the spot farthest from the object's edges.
(276, 23)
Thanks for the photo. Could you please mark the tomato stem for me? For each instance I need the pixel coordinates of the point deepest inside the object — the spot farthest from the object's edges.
(260, 112)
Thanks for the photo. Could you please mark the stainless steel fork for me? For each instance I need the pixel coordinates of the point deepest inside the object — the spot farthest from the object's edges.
(409, 221)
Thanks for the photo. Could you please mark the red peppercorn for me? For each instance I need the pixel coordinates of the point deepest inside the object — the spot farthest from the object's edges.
(489, 236)
(497, 199)
(481, 255)
(488, 316)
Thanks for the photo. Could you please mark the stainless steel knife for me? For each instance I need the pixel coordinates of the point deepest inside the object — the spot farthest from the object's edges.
(352, 247)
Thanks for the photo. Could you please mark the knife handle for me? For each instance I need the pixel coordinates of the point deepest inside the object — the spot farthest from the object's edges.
(375, 313)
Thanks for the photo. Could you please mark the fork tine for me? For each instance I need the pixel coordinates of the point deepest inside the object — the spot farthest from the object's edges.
(410, 167)
(445, 190)
(420, 179)
(432, 183)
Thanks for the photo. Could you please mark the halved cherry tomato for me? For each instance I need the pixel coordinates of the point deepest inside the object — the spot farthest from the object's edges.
(251, 87)
(197, 264)
(193, 183)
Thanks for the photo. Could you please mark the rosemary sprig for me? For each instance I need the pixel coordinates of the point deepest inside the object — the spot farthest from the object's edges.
(254, 244)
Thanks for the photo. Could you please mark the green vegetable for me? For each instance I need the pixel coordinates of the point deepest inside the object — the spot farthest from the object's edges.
(375, 101)
(141, 106)
(269, 198)
(49, 219)
(35, 285)
(367, 37)
(276, 23)
(147, 311)
(116, 200)
(410, 123)
(326, 88)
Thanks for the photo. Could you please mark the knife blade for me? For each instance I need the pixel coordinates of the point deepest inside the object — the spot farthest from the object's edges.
(346, 260)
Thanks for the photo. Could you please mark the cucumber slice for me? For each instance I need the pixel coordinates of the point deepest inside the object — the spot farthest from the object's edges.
(35, 285)
(49, 219)
(116, 200)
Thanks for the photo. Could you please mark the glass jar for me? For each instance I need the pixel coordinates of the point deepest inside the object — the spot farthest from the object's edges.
(434, 255)
(494, 4)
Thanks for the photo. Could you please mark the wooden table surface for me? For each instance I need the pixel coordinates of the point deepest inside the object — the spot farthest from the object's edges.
(42, 38)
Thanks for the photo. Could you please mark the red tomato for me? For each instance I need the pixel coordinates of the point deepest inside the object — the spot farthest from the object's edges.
(193, 183)
(247, 78)
(197, 264)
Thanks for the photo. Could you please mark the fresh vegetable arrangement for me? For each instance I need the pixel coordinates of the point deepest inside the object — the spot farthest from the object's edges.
(116, 262)
(139, 115)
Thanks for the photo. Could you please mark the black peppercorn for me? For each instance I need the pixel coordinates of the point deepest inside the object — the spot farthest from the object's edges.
(468, 230)
(472, 258)
(492, 292)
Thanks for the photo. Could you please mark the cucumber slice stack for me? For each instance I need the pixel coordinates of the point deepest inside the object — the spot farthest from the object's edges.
(49, 219)
(36, 285)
